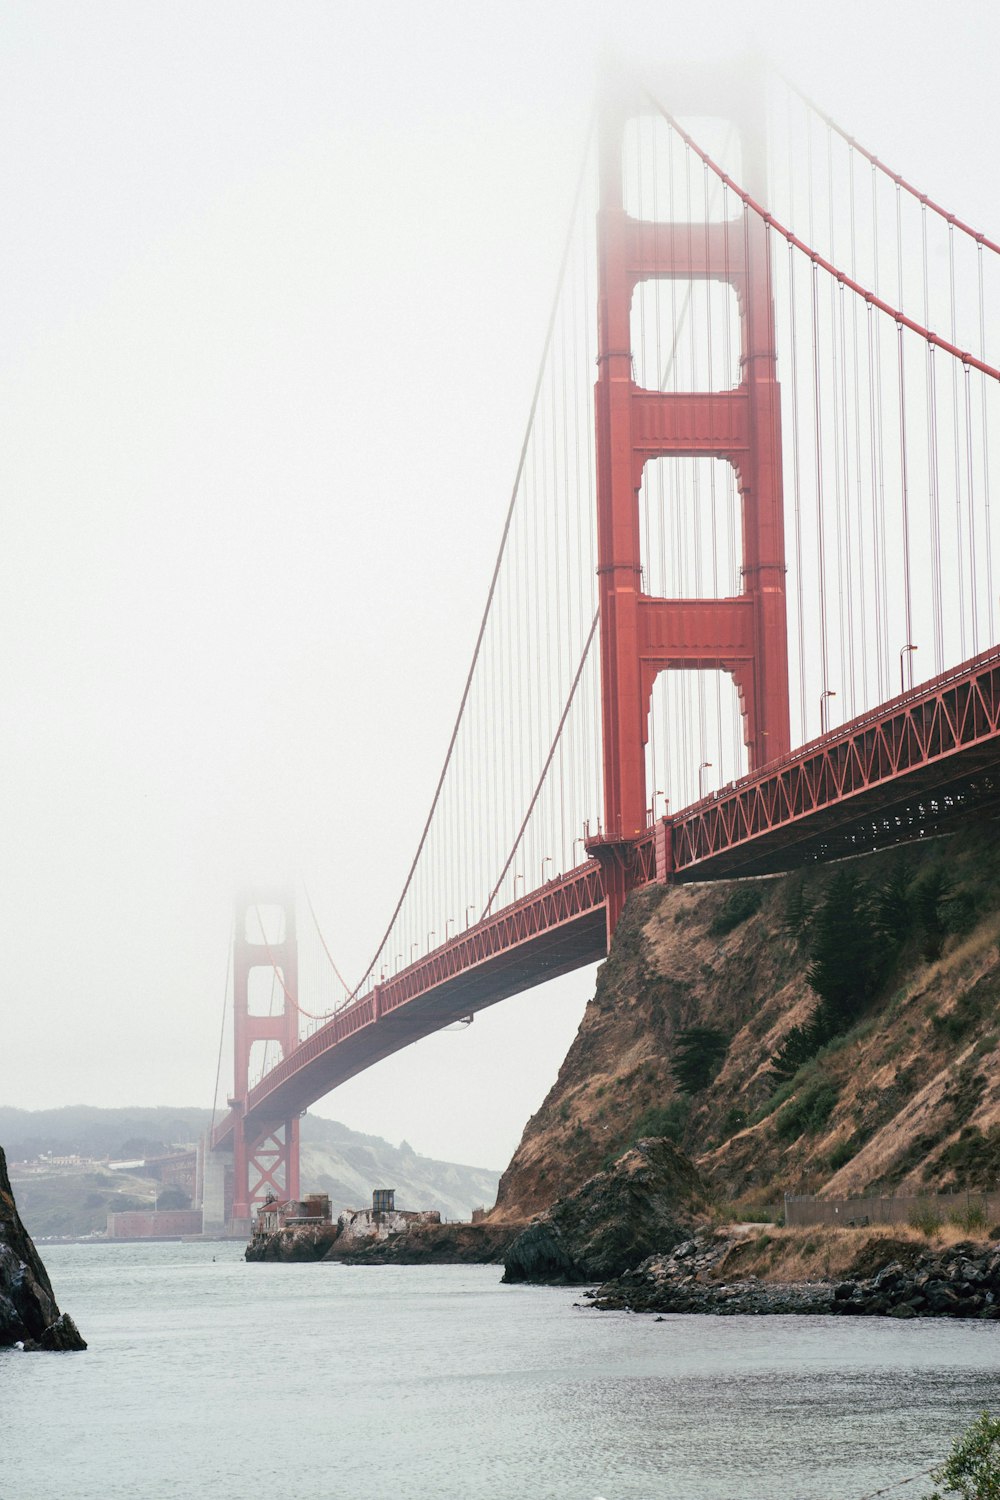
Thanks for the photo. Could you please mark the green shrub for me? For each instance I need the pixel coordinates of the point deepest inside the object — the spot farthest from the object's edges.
(800, 1045)
(784, 1091)
(742, 902)
(972, 1468)
(842, 1153)
(808, 1111)
(973, 1216)
(962, 911)
(926, 1218)
(972, 1157)
(668, 1121)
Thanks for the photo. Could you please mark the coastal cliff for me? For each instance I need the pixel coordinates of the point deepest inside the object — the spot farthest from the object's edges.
(28, 1311)
(831, 1032)
(647, 1202)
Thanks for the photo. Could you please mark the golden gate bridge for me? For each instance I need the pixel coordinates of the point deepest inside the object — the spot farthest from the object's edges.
(749, 540)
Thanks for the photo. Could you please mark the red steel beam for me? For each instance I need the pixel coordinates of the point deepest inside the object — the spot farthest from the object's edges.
(553, 930)
(907, 766)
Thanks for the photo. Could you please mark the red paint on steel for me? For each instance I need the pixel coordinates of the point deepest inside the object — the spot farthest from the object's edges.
(553, 930)
(265, 1149)
(642, 636)
(900, 771)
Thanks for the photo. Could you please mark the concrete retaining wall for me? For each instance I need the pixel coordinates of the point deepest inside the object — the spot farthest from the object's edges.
(137, 1224)
(896, 1209)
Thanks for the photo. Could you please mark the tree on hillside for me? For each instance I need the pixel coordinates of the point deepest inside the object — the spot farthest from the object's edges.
(847, 958)
(698, 1056)
(932, 893)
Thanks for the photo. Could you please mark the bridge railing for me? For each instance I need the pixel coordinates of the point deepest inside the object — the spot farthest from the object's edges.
(952, 712)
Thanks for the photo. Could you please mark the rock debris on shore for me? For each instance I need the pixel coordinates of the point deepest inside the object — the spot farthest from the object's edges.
(961, 1281)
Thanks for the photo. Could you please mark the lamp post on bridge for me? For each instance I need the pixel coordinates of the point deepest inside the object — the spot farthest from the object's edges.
(904, 651)
(471, 907)
(546, 861)
(823, 715)
(706, 765)
(431, 934)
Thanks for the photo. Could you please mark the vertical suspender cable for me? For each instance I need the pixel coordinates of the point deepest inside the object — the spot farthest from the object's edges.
(930, 375)
(986, 450)
(820, 534)
(905, 499)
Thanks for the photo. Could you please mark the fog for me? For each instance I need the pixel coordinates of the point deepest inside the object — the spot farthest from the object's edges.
(276, 281)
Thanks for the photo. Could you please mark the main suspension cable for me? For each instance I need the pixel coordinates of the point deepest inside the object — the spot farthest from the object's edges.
(898, 316)
(550, 328)
(895, 177)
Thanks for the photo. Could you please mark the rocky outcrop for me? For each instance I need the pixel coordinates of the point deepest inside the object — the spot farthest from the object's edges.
(28, 1311)
(962, 1281)
(645, 1203)
(413, 1242)
(302, 1242)
(907, 1099)
(430, 1244)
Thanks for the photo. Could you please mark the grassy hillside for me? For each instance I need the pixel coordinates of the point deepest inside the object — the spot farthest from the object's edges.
(828, 1031)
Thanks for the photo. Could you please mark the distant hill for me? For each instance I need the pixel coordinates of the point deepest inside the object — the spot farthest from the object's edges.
(335, 1160)
(84, 1130)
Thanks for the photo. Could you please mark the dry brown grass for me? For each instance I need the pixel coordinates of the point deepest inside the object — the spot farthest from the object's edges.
(811, 1252)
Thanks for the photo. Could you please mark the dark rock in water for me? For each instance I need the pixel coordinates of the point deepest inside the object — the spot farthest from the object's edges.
(644, 1204)
(304, 1242)
(28, 1311)
(429, 1244)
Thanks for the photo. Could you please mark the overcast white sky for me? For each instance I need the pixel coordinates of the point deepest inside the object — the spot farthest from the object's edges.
(274, 285)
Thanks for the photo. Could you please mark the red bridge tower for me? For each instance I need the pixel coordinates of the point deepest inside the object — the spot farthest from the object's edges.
(265, 1159)
(642, 636)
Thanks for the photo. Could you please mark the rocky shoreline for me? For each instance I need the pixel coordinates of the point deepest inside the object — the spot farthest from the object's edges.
(891, 1278)
(420, 1244)
(649, 1199)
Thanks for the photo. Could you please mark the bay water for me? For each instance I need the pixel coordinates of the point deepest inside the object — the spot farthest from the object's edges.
(211, 1379)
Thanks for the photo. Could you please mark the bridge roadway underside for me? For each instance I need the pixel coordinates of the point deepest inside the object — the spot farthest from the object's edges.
(931, 800)
(574, 943)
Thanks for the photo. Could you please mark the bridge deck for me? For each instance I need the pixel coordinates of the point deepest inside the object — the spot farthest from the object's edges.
(552, 931)
(906, 770)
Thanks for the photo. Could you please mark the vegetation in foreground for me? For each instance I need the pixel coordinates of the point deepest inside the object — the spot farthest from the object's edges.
(972, 1469)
